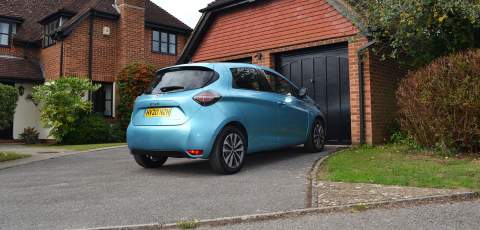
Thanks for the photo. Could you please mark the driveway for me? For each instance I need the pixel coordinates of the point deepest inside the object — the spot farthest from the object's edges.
(108, 188)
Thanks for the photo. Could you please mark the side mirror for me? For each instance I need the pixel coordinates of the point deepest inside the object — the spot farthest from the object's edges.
(302, 92)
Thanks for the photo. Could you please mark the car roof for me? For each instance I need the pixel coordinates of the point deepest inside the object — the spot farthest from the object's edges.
(228, 65)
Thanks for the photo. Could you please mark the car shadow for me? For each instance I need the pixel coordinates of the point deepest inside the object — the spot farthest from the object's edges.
(252, 162)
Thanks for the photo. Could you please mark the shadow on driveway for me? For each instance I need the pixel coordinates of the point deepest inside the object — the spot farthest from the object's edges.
(252, 162)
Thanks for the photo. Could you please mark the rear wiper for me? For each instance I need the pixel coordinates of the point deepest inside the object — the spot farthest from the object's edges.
(171, 88)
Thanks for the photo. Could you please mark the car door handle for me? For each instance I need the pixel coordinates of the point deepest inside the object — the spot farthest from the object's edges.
(281, 103)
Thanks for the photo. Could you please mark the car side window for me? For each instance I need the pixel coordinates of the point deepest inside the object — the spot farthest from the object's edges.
(249, 79)
(279, 85)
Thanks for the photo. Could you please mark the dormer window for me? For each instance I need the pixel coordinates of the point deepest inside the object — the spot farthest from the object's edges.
(49, 30)
(5, 33)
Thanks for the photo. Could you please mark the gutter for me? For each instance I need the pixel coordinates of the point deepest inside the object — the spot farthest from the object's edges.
(361, 80)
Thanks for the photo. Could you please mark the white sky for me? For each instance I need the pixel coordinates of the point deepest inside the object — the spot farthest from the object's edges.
(185, 10)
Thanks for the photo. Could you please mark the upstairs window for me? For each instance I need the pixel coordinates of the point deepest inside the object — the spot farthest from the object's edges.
(5, 33)
(49, 29)
(163, 42)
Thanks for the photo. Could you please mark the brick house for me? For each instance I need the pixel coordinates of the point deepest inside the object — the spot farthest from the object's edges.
(320, 45)
(41, 40)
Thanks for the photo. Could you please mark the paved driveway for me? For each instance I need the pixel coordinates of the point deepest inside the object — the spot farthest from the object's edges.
(108, 188)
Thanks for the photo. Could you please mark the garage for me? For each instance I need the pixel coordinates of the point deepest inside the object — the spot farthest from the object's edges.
(324, 72)
(321, 45)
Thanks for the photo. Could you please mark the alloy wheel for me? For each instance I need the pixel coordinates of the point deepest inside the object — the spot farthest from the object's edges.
(318, 136)
(233, 150)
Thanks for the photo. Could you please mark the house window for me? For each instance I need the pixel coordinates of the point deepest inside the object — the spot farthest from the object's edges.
(163, 42)
(49, 29)
(5, 34)
(103, 100)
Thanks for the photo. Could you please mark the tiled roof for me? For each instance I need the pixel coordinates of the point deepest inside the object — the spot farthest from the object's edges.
(33, 11)
(19, 69)
(155, 14)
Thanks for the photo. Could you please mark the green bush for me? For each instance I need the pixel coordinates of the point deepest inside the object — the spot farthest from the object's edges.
(62, 102)
(132, 81)
(30, 136)
(439, 105)
(89, 129)
(8, 103)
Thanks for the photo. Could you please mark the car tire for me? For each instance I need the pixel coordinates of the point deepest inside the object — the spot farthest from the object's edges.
(229, 151)
(149, 162)
(316, 138)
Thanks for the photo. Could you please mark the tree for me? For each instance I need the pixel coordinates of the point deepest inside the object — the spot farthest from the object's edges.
(132, 82)
(8, 103)
(63, 102)
(421, 30)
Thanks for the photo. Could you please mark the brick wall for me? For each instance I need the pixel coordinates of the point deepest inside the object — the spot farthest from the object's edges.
(50, 61)
(353, 45)
(104, 50)
(161, 60)
(75, 54)
(385, 75)
(131, 32)
(15, 51)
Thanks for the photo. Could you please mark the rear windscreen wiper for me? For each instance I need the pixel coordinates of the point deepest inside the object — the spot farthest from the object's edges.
(171, 88)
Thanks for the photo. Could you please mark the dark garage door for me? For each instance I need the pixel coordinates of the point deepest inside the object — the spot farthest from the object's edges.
(324, 72)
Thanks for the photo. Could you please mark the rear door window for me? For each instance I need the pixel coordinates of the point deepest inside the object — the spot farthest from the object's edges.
(182, 79)
(248, 79)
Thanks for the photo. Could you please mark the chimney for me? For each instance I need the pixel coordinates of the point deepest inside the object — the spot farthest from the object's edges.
(131, 31)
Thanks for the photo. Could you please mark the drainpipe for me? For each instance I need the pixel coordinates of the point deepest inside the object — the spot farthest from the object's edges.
(61, 59)
(361, 80)
(90, 49)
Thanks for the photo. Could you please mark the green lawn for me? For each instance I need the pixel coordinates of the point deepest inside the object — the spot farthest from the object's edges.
(9, 156)
(397, 165)
(82, 147)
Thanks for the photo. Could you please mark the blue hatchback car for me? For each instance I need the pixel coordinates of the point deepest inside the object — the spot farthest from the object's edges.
(221, 112)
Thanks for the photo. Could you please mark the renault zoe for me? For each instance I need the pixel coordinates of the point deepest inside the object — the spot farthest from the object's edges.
(221, 112)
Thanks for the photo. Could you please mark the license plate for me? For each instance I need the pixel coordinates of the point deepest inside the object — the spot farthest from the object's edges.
(158, 112)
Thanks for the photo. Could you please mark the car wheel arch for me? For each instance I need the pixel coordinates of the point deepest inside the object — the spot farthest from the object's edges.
(234, 123)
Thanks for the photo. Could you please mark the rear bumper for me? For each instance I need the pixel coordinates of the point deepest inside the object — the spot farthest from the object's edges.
(171, 141)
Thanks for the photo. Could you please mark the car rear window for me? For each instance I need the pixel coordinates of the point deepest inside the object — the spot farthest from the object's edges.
(174, 80)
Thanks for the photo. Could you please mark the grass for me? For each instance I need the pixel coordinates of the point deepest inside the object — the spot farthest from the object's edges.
(10, 156)
(82, 147)
(398, 165)
(189, 224)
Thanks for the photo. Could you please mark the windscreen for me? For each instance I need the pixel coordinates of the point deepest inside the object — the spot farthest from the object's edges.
(182, 80)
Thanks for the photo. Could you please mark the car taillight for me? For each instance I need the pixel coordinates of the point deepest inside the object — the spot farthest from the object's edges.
(207, 98)
(195, 152)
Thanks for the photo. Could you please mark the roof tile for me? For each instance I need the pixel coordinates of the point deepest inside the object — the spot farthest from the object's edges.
(16, 68)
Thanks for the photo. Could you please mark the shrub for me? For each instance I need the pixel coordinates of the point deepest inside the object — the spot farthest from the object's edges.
(89, 129)
(8, 103)
(439, 105)
(62, 103)
(132, 82)
(30, 135)
(118, 134)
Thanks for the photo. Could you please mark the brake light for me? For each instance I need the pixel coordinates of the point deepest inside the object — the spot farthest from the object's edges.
(207, 98)
(195, 152)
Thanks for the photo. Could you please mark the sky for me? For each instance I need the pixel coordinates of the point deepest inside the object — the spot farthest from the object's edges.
(185, 10)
